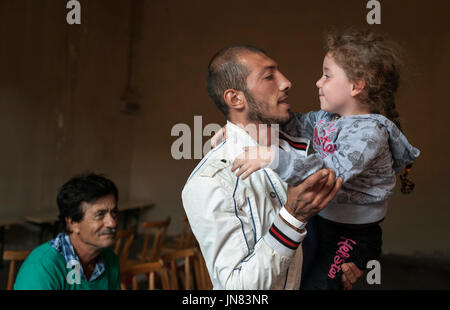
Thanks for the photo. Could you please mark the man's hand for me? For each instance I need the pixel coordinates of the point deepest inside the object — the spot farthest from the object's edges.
(350, 275)
(310, 197)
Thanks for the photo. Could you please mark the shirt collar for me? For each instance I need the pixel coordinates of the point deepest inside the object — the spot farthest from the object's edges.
(64, 246)
(239, 136)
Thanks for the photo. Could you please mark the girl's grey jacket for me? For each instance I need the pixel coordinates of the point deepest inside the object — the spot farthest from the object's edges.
(365, 150)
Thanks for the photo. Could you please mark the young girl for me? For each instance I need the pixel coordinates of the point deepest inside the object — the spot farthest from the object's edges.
(357, 133)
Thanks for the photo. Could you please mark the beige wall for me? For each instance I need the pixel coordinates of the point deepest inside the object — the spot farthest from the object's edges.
(78, 72)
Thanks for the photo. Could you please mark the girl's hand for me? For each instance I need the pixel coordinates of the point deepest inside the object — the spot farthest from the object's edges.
(253, 159)
(219, 137)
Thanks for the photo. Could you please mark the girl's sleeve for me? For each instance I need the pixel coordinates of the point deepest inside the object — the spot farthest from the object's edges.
(294, 168)
(302, 124)
(356, 149)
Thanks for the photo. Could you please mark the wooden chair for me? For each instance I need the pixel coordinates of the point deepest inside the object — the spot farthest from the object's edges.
(204, 281)
(148, 269)
(158, 240)
(185, 240)
(14, 257)
(186, 257)
(186, 265)
(123, 252)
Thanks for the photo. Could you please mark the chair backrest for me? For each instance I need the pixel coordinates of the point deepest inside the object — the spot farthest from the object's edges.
(148, 269)
(160, 229)
(187, 238)
(14, 257)
(185, 258)
(185, 266)
(125, 237)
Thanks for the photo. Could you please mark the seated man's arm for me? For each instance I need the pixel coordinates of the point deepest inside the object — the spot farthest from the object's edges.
(211, 210)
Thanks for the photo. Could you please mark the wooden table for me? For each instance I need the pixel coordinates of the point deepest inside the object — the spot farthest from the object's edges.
(133, 207)
(42, 218)
(46, 221)
(5, 222)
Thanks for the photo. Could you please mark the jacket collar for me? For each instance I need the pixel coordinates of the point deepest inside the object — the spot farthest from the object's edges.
(239, 136)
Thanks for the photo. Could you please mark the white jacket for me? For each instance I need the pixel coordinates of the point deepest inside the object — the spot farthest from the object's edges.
(239, 224)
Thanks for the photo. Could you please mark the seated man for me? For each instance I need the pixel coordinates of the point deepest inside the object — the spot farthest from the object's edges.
(80, 258)
(250, 231)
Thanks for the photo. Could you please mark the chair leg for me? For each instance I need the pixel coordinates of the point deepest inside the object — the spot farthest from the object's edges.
(2, 244)
(173, 273)
(165, 280)
(187, 272)
(12, 267)
(197, 273)
(135, 285)
(151, 281)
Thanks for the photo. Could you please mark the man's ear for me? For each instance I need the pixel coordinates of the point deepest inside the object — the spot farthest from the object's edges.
(357, 87)
(72, 226)
(234, 99)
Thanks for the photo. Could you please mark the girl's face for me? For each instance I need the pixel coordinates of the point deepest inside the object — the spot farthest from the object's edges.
(335, 90)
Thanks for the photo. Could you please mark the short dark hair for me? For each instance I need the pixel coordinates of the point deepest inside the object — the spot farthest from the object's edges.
(226, 72)
(87, 187)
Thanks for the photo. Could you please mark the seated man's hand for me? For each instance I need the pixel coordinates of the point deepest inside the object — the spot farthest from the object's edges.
(350, 275)
(312, 195)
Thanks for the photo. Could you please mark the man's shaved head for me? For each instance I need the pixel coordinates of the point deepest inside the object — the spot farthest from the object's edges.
(226, 72)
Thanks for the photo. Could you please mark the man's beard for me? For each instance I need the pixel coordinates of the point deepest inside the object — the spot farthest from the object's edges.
(256, 112)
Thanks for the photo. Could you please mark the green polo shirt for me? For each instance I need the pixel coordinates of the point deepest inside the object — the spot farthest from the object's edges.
(46, 269)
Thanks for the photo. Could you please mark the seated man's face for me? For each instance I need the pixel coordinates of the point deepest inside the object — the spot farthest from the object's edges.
(99, 224)
(267, 90)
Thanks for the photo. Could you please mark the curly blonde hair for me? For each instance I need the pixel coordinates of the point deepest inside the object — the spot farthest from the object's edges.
(364, 54)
